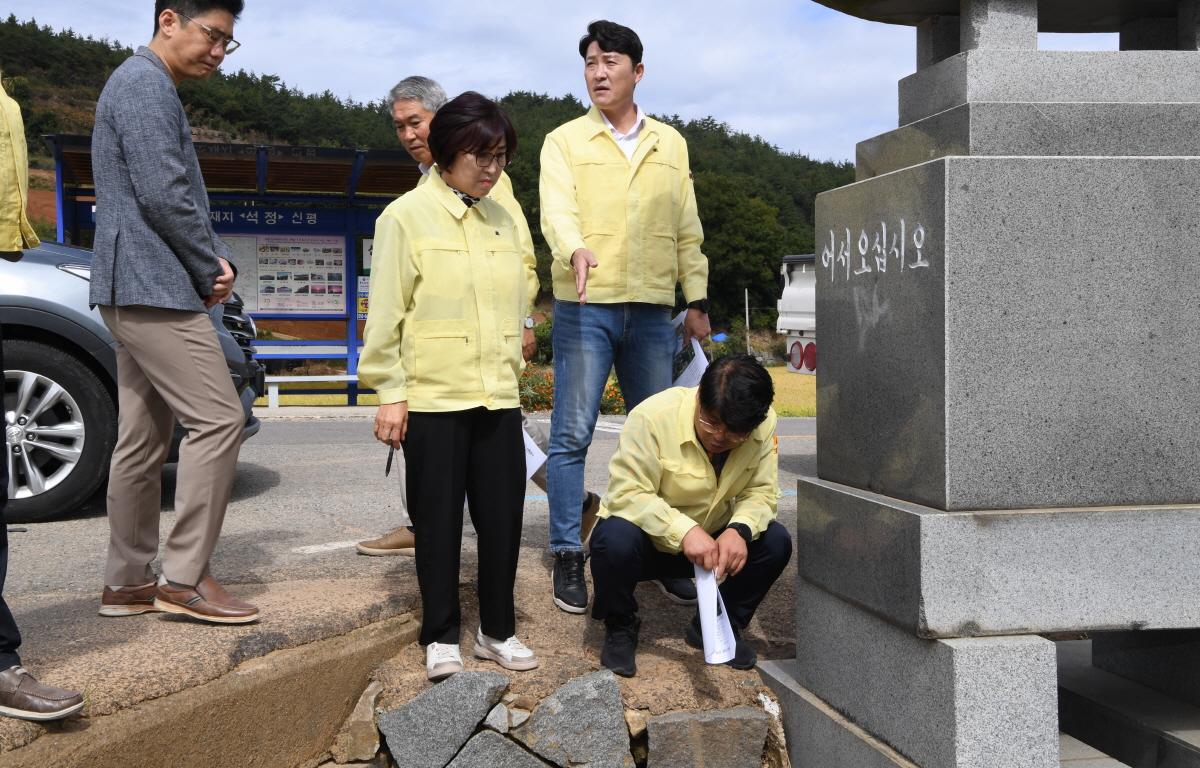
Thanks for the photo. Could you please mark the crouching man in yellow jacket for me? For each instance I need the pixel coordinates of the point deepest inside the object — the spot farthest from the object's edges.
(694, 481)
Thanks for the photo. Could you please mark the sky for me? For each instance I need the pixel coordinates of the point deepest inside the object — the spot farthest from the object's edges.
(805, 78)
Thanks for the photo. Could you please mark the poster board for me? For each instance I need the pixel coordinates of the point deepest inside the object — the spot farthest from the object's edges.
(290, 274)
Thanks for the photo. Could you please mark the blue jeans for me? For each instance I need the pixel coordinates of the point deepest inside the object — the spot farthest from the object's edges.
(588, 341)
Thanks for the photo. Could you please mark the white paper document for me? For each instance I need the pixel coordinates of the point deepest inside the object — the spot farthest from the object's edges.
(719, 642)
(690, 361)
(534, 457)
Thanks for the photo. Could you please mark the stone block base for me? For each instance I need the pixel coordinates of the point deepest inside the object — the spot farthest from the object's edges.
(1003, 572)
(817, 735)
(977, 702)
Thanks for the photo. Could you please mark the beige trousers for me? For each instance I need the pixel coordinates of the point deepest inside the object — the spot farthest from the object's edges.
(169, 367)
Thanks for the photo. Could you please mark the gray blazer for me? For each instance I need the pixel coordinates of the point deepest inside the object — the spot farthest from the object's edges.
(155, 245)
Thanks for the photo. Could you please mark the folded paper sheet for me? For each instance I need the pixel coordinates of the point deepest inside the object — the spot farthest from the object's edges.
(719, 643)
(534, 457)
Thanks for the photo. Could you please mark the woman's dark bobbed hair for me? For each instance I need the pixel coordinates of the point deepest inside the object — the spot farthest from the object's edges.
(470, 122)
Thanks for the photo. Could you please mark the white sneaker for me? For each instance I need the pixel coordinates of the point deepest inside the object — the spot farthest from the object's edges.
(510, 654)
(442, 660)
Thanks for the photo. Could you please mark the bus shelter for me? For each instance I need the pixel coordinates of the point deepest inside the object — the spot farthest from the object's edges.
(299, 222)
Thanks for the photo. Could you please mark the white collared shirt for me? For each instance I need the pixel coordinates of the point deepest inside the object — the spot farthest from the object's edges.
(627, 141)
(424, 169)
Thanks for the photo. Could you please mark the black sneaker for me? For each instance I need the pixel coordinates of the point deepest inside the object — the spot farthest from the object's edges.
(570, 590)
(620, 645)
(744, 657)
(681, 591)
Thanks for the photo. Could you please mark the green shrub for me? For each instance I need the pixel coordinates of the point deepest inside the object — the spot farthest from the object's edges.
(544, 354)
(537, 391)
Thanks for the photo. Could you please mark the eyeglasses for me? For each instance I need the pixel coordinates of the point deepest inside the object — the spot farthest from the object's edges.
(215, 36)
(483, 161)
(722, 432)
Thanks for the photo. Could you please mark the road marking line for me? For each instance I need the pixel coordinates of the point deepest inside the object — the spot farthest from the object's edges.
(314, 549)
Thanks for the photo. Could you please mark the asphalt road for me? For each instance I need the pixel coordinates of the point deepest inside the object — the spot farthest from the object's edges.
(306, 490)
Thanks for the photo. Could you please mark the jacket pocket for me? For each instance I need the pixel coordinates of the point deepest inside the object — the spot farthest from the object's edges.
(661, 260)
(444, 359)
(684, 485)
(512, 334)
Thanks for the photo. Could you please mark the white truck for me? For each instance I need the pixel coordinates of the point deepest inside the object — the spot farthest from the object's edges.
(798, 312)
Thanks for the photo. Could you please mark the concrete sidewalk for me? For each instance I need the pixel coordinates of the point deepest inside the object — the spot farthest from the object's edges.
(135, 669)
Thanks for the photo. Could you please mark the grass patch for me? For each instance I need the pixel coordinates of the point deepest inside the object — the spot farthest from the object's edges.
(795, 393)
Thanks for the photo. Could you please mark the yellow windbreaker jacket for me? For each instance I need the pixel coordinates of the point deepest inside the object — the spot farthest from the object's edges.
(503, 194)
(639, 218)
(448, 294)
(16, 233)
(662, 481)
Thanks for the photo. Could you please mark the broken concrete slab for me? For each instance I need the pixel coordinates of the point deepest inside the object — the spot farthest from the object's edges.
(581, 724)
(252, 711)
(429, 730)
(731, 738)
(358, 741)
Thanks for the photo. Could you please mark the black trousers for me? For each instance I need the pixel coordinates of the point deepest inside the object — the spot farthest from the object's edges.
(623, 555)
(480, 455)
(10, 636)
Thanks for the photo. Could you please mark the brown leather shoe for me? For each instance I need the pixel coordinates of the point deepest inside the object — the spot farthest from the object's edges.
(399, 541)
(207, 601)
(24, 697)
(128, 601)
(591, 505)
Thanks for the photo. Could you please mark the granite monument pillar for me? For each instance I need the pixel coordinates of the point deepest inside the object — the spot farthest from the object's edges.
(1008, 416)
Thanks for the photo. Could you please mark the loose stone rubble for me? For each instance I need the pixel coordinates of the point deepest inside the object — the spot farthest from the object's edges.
(472, 721)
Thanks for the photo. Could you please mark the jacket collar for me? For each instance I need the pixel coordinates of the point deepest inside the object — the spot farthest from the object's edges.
(450, 201)
(146, 53)
(597, 124)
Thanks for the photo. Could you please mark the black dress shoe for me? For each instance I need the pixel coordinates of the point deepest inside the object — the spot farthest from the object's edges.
(744, 657)
(620, 645)
(681, 591)
(570, 590)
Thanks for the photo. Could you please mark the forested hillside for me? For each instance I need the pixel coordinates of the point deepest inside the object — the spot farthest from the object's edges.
(756, 202)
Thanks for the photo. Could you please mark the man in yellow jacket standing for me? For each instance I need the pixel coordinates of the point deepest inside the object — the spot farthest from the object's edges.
(619, 215)
(20, 694)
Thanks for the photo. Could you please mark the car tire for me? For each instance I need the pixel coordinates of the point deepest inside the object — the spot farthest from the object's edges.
(97, 411)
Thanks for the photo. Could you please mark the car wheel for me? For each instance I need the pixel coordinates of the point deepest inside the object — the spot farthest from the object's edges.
(60, 428)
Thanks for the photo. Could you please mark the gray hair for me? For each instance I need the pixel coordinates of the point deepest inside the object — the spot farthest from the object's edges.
(417, 88)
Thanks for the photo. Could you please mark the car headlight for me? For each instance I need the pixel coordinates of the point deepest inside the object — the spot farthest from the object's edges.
(82, 271)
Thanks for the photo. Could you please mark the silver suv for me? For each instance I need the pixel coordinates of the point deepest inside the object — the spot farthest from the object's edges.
(60, 373)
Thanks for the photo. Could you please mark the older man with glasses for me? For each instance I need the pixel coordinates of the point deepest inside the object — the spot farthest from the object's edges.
(694, 483)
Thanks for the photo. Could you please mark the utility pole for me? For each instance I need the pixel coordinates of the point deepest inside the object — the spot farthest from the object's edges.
(748, 352)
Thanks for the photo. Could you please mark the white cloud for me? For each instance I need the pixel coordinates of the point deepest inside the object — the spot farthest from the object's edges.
(801, 76)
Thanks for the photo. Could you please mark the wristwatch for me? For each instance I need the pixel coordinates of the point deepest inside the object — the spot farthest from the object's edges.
(529, 322)
(700, 304)
(743, 531)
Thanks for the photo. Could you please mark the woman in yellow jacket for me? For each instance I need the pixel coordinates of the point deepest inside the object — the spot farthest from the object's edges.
(442, 347)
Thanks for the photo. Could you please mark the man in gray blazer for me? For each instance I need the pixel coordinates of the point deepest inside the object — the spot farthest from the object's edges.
(158, 267)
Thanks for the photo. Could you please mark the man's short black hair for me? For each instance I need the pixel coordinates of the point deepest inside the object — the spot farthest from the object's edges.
(612, 38)
(194, 8)
(469, 122)
(738, 391)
